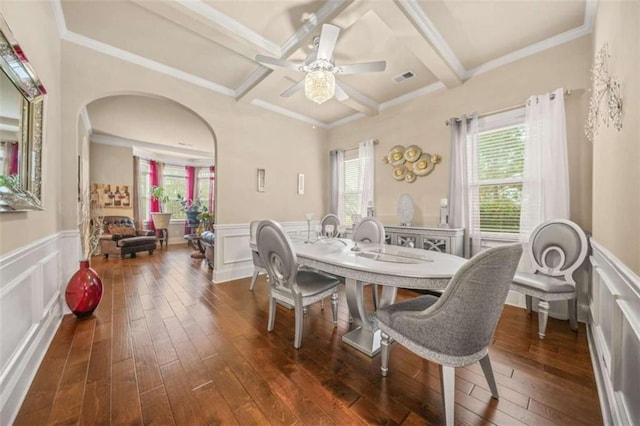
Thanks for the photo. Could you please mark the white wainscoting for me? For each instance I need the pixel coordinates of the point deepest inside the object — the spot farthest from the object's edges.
(614, 337)
(31, 308)
(232, 254)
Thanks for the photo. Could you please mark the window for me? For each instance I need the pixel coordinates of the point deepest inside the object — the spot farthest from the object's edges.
(203, 185)
(175, 182)
(351, 187)
(499, 161)
(144, 184)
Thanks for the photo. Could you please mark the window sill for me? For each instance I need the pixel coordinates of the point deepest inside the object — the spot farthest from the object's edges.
(498, 236)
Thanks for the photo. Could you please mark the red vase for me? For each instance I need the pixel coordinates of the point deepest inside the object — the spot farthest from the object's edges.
(84, 290)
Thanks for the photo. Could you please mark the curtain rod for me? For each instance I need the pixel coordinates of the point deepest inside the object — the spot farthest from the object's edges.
(375, 142)
(498, 111)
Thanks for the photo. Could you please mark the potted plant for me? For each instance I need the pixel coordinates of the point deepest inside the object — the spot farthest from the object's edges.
(160, 219)
(192, 209)
(206, 221)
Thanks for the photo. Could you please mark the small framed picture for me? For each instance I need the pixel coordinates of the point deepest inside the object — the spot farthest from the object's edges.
(300, 183)
(260, 180)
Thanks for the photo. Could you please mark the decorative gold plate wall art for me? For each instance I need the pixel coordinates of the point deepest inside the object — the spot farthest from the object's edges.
(411, 162)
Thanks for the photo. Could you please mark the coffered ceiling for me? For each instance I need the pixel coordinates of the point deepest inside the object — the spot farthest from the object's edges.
(214, 43)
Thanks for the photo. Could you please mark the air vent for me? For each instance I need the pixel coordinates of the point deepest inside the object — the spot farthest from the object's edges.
(404, 76)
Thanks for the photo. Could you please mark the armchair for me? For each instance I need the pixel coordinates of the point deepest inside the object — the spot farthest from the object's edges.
(120, 238)
(456, 329)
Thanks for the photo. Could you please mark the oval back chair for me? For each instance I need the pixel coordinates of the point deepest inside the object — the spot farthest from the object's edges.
(556, 249)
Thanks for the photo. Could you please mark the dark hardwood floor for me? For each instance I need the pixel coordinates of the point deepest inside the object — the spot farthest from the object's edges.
(166, 346)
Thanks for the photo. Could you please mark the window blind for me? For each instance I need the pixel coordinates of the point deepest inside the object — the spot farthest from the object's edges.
(499, 160)
(351, 189)
(175, 182)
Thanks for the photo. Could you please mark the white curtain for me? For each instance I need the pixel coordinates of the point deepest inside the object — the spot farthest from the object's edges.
(545, 188)
(366, 157)
(464, 205)
(336, 167)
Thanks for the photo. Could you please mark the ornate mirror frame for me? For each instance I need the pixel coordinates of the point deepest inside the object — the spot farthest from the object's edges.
(23, 192)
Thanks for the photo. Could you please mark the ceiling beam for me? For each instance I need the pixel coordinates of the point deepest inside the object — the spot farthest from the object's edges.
(415, 31)
(358, 101)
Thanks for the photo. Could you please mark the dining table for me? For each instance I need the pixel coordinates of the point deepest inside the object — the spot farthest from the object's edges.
(390, 266)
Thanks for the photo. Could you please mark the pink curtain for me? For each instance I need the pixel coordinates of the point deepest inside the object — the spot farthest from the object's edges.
(153, 177)
(13, 167)
(191, 179)
(212, 178)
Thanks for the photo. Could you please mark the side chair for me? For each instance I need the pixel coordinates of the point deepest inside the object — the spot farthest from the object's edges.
(370, 230)
(330, 219)
(455, 329)
(258, 266)
(556, 249)
(287, 282)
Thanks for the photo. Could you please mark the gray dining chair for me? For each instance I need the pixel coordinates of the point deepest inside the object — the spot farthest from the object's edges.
(455, 329)
(330, 219)
(287, 282)
(370, 230)
(556, 249)
(258, 266)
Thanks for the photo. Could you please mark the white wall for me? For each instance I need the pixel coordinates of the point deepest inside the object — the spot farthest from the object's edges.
(32, 269)
(33, 26)
(422, 122)
(616, 175)
(112, 165)
(614, 331)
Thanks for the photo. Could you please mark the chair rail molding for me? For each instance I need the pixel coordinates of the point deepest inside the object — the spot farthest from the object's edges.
(31, 308)
(232, 254)
(614, 336)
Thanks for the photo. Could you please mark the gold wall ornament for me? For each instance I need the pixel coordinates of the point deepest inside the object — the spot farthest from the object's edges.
(605, 104)
(410, 163)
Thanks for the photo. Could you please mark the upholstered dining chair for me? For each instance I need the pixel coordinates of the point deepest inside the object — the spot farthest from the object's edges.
(288, 283)
(333, 220)
(556, 249)
(370, 230)
(455, 329)
(258, 266)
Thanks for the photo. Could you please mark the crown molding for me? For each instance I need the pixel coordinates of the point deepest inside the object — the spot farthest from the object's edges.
(252, 81)
(530, 50)
(327, 11)
(348, 119)
(274, 108)
(431, 33)
(413, 95)
(124, 55)
(133, 143)
(220, 19)
(174, 161)
(58, 15)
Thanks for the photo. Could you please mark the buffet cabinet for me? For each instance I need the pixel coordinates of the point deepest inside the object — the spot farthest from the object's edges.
(444, 240)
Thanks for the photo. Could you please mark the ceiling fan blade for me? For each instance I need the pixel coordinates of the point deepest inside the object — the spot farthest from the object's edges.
(341, 95)
(363, 67)
(328, 39)
(268, 60)
(293, 89)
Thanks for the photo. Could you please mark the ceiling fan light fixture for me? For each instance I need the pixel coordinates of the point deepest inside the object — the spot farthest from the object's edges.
(319, 85)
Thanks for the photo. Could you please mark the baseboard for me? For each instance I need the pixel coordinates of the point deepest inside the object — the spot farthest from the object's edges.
(32, 301)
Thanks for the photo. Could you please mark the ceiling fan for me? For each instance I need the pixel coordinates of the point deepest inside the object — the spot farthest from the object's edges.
(319, 82)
